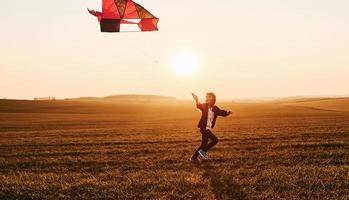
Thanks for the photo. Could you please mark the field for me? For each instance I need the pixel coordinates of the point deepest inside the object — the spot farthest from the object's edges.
(97, 150)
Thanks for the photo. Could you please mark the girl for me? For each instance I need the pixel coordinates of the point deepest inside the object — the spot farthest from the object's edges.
(209, 114)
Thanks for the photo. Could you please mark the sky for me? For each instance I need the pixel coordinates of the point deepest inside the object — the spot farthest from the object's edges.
(240, 49)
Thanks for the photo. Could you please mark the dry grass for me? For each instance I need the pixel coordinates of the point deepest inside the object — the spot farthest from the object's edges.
(72, 150)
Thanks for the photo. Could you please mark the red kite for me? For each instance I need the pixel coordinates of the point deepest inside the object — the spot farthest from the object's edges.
(116, 12)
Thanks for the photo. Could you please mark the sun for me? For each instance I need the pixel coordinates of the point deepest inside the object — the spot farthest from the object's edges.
(185, 63)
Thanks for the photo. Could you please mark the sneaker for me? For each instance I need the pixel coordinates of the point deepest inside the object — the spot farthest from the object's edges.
(203, 154)
(194, 160)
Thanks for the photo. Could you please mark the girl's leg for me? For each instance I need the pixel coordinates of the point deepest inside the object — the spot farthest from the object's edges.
(213, 138)
(204, 140)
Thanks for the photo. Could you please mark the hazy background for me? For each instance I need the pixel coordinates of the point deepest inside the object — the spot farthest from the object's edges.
(247, 48)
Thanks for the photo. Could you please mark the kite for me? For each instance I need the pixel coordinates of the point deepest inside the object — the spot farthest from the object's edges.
(117, 12)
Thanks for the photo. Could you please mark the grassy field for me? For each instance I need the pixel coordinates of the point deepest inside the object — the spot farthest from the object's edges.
(96, 150)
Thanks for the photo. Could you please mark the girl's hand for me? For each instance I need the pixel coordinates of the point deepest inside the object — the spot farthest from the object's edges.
(196, 98)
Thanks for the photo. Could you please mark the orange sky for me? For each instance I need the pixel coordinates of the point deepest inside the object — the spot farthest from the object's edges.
(244, 49)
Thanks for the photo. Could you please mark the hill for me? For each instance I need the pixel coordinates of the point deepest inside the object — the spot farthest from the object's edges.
(109, 104)
(153, 103)
(329, 104)
(127, 99)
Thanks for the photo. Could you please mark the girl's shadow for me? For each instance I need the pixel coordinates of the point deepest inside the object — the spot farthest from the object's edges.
(223, 185)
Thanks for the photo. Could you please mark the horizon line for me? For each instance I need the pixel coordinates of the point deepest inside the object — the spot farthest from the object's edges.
(189, 98)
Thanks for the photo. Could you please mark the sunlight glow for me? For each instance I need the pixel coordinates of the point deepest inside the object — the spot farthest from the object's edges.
(185, 63)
